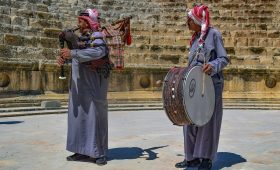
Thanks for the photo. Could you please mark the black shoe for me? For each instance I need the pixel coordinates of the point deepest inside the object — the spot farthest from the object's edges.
(76, 157)
(101, 161)
(206, 164)
(192, 163)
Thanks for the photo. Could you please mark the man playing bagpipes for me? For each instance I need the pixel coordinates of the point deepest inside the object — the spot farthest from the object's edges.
(87, 135)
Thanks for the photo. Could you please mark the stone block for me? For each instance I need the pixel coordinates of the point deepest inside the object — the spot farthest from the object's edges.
(156, 48)
(5, 10)
(266, 13)
(5, 3)
(31, 41)
(226, 13)
(51, 104)
(230, 50)
(142, 39)
(246, 26)
(266, 42)
(240, 42)
(266, 60)
(1, 38)
(259, 19)
(265, 6)
(44, 15)
(251, 13)
(229, 41)
(52, 32)
(253, 41)
(273, 34)
(240, 33)
(174, 59)
(22, 12)
(261, 26)
(50, 53)
(39, 23)
(42, 7)
(5, 19)
(19, 30)
(49, 42)
(5, 51)
(276, 42)
(272, 51)
(257, 50)
(43, 23)
(16, 20)
(13, 39)
(237, 13)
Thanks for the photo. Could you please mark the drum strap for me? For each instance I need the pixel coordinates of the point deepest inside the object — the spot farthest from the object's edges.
(197, 53)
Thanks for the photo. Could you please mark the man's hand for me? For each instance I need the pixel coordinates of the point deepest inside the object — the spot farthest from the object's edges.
(207, 68)
(65, 53)
(60, 61)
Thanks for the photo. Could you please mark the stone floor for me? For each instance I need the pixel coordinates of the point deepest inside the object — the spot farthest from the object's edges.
(141, 140)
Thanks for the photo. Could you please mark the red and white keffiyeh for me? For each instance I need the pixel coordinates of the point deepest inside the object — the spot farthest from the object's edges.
(200, 15)
(91, 17)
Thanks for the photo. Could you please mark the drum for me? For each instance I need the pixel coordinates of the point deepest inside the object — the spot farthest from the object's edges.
(188, 96)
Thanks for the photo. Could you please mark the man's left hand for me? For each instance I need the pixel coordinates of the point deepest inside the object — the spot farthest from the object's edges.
(207, 68)
(65, 53)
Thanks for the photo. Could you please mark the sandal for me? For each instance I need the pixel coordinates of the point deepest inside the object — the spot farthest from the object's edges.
(206, 164)
(76, 157)
(193, 163)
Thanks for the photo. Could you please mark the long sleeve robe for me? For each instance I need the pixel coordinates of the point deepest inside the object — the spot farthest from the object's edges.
(88, 108)
(202, 142)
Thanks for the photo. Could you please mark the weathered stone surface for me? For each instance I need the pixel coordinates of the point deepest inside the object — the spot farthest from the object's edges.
(52, 32)
(16, 20)
(250, 30)
(51, 104)
(5, 19)
(5, 51)
(13, 39)
(49, 42)
(4, 80)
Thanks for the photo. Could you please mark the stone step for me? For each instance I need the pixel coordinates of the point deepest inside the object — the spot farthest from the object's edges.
(26, 104)
(245, 105)
(155, 58)
(27, 109)
(159, 48)
(111, 106)
(254, 107)
(174, 40)
(29, 112)
(37, 112)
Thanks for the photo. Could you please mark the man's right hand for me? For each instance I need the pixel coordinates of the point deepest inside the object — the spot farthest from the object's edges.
(60, 61)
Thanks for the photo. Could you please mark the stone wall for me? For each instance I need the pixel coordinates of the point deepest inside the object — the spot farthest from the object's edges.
(250, 29)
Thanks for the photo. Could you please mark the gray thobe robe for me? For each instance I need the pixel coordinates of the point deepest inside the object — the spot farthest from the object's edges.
(88, 107)
(202, 142)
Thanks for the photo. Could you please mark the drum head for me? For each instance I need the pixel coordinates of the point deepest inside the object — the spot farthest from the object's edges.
(199, 99)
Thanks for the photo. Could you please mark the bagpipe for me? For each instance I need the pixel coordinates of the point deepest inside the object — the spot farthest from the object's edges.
(116, 36)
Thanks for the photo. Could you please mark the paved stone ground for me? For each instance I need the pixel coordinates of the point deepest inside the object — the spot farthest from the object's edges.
(141, 140)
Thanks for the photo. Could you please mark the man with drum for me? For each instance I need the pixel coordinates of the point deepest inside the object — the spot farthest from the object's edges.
(201, 143)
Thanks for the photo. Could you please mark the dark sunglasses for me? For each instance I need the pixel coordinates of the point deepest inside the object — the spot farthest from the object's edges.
(86, 14)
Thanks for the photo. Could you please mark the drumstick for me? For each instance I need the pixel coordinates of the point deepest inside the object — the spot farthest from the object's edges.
(203, 78)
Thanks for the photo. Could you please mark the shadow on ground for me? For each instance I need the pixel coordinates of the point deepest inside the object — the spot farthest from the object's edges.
(227, 159)
(10, 122)
(133, 153)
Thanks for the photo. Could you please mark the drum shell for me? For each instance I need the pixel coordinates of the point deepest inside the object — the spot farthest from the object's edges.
(172, 96)
(185, 102)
